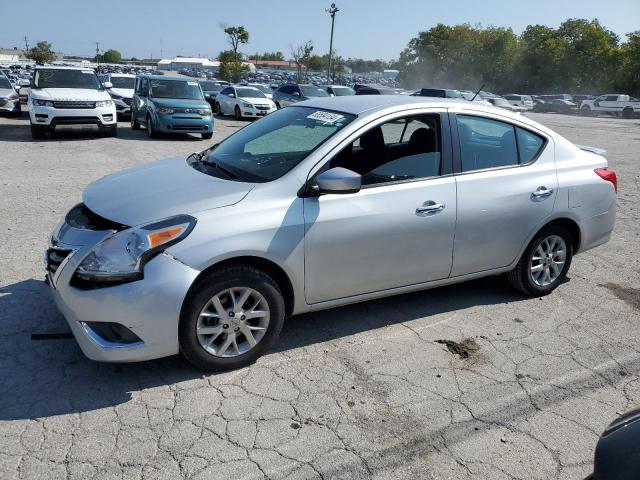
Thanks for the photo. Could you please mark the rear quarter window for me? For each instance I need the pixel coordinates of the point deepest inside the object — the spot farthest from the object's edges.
(529, 145)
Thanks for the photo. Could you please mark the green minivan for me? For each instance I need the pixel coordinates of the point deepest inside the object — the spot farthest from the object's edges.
(170, 105)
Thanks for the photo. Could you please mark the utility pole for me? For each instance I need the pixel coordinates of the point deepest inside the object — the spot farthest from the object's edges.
(26, 44)
(332, 11)
(98, 53)
(161, 57)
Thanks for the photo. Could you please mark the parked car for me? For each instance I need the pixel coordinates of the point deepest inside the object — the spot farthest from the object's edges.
(338, 90)
(375, 90)
(9, 97)
(291, 93)
(210, 90)
(578, 99)
(243, 102)
(438, 93)
(170, 105)
(69, 96)
(503, 103)
(266, 89)
(524, 101)
(324, 203)
(617, 455)
(121, 91)
(556, 106)
(614, 104)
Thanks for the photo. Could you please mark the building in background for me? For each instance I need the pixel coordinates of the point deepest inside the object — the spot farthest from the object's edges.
(178, 63)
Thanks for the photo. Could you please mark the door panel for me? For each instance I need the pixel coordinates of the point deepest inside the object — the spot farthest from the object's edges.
(375, 240)
(499, 209)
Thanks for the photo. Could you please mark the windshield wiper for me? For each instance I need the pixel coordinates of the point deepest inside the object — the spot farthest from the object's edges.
(200, 156)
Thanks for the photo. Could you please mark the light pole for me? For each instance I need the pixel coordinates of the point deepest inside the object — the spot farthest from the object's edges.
(332, 11)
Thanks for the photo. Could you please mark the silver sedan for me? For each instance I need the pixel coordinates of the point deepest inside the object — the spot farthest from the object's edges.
(328, 202)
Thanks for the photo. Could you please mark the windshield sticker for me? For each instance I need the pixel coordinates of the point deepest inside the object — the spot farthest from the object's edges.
(87, 71)
(327, 118)
(192, 83)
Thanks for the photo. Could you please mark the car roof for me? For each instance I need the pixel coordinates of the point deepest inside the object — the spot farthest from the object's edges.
(125, 75)
(166, 77)
(56, 67)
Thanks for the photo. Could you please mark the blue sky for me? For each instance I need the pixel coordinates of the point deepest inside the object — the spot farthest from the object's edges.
(364, 28)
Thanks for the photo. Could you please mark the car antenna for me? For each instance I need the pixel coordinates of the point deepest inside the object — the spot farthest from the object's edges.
(479, 90)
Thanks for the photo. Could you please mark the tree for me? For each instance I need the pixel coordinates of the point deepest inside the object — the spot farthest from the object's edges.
(111, 56)
(628, 76)
(236, 36)
(41, 53)
(231, 68)
(301, 55)
(279, 56)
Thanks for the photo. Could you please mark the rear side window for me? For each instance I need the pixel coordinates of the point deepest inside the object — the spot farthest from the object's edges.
(487, 143)
(529, 144)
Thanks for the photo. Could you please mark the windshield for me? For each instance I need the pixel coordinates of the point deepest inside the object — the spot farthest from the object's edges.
(249, 93)
(4, 83)
(51, 78)
(343, 91)
(262, 88)
(181, 89)
(269, 148)
(123, 82)
(211, 86)
(309, 91)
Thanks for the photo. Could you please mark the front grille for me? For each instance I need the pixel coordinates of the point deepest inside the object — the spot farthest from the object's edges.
(81, 217)
(127, 101)
(54, 257)
(72, 104)
(189, 127)
(262, 107)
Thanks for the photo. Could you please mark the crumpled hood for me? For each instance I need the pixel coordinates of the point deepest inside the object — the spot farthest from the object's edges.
(73, 94)
(123, 92)
(159, 190)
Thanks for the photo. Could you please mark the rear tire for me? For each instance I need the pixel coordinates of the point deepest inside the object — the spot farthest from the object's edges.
(585, 111)
(522, 276)
(38, 131)
(219, 110)
(627, 113)
(278, 106)
(200, 299)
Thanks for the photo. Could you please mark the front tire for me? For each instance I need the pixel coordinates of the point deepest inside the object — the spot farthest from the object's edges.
(230, 318)
(151, 132)
(544, 264)
(207, 136)
(134, 124)
(110, 131)
(236, 113)
(38, 132)
(585, 111)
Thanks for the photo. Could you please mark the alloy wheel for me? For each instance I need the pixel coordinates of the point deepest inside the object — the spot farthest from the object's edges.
(548, 260)
(232, 322)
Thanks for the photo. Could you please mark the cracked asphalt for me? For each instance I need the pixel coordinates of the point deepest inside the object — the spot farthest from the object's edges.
(364, 391)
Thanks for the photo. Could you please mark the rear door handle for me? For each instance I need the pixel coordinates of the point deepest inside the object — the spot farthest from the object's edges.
(541, 193)
(429, 208)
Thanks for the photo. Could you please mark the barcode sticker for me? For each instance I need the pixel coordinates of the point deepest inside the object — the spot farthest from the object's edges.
(326, 117)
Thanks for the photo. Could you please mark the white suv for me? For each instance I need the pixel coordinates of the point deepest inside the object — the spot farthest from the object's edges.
(524, 101)
(69, 96)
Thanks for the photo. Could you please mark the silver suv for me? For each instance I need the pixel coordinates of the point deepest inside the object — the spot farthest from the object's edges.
(328, 202)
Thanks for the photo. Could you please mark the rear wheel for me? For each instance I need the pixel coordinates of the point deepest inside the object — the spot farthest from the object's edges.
(218, 110)
(278, 106)
(545, 262)
(38, 131)
(232, 316)
(585, 111)
(236, 113)
(627, 112)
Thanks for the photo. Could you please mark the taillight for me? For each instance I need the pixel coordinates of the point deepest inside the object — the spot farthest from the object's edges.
(608, 175)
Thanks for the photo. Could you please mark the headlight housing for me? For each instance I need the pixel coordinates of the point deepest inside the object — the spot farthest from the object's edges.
(205, 112)
(165, 111)
(42, 103)
(104, 103)
(121, 257)
(247, 105)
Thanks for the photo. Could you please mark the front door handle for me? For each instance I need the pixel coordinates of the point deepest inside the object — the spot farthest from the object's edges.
(541, 193)
(429, 208)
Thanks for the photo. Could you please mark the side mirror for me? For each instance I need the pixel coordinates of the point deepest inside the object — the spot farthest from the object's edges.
(339, 180)
(232, 95)
(107, 85)
(17, 87)
(207, 95)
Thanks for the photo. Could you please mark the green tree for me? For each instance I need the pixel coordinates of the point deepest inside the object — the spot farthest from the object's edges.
(236, 36)
(628, 76)
(41, 53)
(268, 56)
(112, 56)
(231, 68)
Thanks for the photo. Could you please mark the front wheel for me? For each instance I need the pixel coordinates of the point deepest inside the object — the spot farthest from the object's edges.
(110, 131)
(134, 124)
(231, 317)
(544, 264)
(151, 132)
(38, 131)
(585, 111)
(207, 136)
(236, 113)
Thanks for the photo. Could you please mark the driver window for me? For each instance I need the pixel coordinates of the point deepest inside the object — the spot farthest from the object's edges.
(401, 149)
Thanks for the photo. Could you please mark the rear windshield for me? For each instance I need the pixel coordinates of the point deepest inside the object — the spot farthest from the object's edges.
(309, 91)
(211, 86)
(123, 82)
(181, 89)
(53, 78)
(343, 91)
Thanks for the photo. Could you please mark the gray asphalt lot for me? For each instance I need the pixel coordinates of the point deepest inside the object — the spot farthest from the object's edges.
(363, 391)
